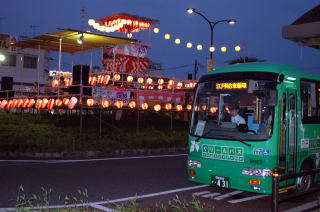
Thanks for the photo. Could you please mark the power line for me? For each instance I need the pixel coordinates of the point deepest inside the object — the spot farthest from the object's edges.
(178, 67)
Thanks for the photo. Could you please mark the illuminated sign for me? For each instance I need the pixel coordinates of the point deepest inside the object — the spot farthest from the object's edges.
(231, 85)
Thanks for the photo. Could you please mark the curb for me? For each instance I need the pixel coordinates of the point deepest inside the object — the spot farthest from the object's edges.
(90, 154)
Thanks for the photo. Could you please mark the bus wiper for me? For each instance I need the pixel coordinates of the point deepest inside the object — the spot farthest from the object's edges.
(249, 145)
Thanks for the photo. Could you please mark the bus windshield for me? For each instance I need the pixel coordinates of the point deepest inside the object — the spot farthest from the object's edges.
(234, 110)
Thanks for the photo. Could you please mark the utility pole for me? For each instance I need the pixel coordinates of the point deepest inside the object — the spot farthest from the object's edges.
(195, 69)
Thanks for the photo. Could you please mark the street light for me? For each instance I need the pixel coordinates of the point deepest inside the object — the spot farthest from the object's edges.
(212, 24)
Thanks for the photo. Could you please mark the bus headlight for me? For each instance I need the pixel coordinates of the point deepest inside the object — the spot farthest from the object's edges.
(257, 172)
(194, 164)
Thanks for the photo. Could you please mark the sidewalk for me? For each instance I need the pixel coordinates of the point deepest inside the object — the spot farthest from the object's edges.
(90, 154)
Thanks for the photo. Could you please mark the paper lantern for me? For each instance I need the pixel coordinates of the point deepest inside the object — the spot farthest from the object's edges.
(213, 109)
(31, 103)
(51, 104)
(90, 102)
(237, 48)
(169, 87)
(3, 104)
(168, 106)
(212, 49)
(199, 47)
(100, 79)
(119, 104)
(157, 107)
(132, 104)
(179, 85)
(20, 103)
(177, 41)
(223, 49)
(14, 103)
(25, 103)
(106, 79)
(44, 103)
(73, 101)
(66, 101)
(179, 107)
(167, 36)
(67, 82)
(188, 107)
(156, 30)
(160, 81)
(93, 80)
(58, 102)
(149, 80)
(203, 107)
(189, 45)
(144, 106)
(160, 87)
(38, 103)
(10, 104)
(140, 80)
(116, 77)
(105, 103)
(129, 78)
(55, 83)
(171, 82)
(150, 87)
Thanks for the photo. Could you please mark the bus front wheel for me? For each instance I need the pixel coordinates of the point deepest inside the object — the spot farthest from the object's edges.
(305, 182)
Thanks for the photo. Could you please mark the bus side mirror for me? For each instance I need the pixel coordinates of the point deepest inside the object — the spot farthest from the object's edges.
(280, 79)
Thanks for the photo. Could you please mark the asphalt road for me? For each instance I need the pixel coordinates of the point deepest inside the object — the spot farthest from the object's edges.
(103, 179)
(153, 179)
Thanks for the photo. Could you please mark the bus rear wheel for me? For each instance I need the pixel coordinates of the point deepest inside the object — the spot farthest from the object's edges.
(304, 183)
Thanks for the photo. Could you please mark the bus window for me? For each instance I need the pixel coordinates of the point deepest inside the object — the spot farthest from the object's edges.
(282, 144)
(227, 110)
(310, 105)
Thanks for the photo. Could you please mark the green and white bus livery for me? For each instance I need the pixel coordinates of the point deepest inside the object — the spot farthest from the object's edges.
(251, 119)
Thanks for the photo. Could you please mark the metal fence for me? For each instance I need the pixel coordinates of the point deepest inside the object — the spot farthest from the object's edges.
(276, 199)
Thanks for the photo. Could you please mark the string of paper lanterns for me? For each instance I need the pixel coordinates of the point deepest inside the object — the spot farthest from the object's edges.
(199, 47)
(70, 103)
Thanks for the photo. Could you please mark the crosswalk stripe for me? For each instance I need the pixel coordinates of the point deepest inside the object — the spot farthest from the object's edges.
(210, 195)
(200, 193)
(228, 195)
(248, 198)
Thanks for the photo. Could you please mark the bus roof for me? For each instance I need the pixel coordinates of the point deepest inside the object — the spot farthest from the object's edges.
(287, 70)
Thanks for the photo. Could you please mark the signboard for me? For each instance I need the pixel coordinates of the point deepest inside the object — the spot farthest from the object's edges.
(136, 50)
(211, 64)
(113, 95)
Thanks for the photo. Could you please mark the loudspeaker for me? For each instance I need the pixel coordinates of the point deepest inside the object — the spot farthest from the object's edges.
(76, 90)
(189, 76)
(76, 74)
(6, 84)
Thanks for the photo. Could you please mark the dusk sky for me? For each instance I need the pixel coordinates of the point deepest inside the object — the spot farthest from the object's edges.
(258, 30)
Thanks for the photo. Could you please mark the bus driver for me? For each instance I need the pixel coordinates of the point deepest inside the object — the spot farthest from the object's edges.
(235, 117)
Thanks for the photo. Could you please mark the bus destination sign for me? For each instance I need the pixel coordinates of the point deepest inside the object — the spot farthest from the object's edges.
(231, 85)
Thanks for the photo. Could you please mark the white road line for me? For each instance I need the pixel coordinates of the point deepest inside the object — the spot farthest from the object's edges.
(304, 206)
(210, 195)
(88, 160)
(248, 198)
(100, 207)
(200, 193)
(115, 200)
(228, 195)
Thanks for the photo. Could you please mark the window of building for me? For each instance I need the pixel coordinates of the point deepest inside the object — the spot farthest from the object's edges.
(30, 62)
(10, 60)
(310, 92)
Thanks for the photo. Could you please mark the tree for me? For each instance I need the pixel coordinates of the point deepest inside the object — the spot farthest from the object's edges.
(244, 60)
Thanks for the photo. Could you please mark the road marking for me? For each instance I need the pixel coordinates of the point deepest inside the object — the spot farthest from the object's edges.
(228, 195)
(248, 198)
(304, 206)
(100, 207)
(115, 200)
(89, 160)
(200, 193)
(210, 195)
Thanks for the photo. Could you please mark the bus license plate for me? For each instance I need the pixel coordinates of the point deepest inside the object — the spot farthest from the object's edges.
(218, 181)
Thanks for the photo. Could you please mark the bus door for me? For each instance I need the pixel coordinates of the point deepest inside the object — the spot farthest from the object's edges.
(288, 132)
